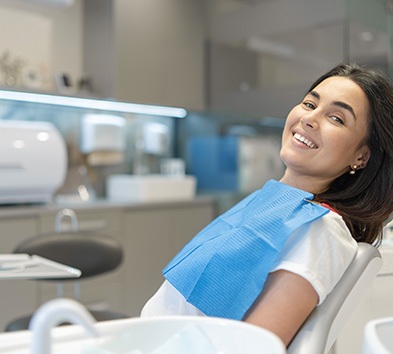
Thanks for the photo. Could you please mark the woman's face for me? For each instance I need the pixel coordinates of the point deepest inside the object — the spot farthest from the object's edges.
(324, 135)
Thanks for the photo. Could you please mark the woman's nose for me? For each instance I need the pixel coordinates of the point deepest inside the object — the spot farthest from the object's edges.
(310, 120)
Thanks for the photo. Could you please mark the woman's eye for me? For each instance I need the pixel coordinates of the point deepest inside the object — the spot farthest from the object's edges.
(337, 120)
(309, 105)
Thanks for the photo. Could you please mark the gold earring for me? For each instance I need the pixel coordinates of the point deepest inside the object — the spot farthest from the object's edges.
(353, 169)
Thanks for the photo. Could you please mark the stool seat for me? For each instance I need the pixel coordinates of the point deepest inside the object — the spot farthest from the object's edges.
(92, 253)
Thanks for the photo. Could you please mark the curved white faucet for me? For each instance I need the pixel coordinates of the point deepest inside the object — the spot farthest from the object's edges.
(51, 314)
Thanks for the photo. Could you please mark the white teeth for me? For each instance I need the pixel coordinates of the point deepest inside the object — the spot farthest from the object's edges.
(305, 141)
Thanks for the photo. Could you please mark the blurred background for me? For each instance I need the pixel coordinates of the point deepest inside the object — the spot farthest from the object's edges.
(235, 66)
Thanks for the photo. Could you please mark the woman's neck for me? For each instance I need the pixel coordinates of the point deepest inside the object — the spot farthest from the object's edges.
(307, 183)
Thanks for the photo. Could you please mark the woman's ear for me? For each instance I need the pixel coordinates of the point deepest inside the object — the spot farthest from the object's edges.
(364, 156)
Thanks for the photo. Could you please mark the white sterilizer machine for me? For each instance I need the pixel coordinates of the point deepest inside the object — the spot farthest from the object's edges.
(33, 161)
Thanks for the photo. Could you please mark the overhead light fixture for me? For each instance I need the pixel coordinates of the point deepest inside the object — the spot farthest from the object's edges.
(90, 103)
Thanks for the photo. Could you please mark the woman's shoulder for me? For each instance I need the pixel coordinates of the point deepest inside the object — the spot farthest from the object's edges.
(334, 225)
(320, 252)
(330, 232)
(327, 235)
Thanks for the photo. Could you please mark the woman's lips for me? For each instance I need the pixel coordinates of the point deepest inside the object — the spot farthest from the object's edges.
(305, 141)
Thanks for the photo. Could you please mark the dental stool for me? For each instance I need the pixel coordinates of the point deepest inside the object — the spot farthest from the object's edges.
(93, 254)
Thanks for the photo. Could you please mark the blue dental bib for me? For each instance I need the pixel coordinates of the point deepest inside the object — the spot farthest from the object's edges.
(222, 270)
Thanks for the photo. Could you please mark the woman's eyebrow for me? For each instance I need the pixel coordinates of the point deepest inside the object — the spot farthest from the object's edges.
(345, 106)
(315, 94)
(340, 104)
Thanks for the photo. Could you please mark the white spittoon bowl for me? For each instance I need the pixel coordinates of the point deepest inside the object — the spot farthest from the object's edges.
(155, 335)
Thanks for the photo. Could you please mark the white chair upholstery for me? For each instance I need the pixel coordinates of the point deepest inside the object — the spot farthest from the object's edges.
(321, 329)
(378, 336)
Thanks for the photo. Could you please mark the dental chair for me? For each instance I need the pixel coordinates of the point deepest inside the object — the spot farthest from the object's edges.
(321, 329)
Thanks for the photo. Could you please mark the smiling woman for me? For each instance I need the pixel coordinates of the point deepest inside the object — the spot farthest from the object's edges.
(275, 256)
(325, 134)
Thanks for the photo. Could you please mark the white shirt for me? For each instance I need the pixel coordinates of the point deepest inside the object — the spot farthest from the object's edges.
(319, 251)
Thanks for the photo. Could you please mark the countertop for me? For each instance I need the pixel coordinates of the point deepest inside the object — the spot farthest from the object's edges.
(18, 210)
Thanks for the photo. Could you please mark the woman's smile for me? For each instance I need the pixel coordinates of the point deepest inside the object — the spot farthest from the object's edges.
(305, 141)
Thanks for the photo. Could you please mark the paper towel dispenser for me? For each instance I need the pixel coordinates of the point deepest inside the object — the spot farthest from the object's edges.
(103, 138)
(33, 161)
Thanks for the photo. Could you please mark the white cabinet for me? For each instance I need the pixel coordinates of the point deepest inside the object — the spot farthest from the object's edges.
(151, 235)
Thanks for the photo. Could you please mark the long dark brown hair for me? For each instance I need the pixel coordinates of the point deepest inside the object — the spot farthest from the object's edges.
(365, 199)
